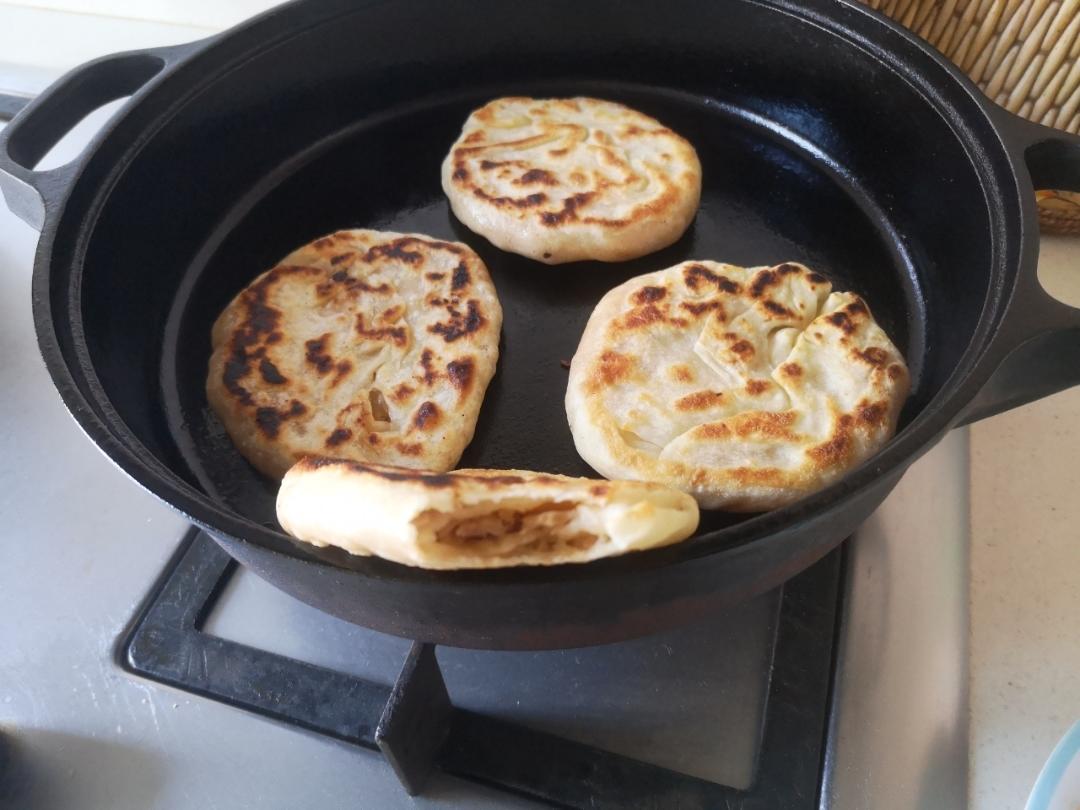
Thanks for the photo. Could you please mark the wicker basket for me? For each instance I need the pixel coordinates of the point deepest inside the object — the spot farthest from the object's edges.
(1023, 54)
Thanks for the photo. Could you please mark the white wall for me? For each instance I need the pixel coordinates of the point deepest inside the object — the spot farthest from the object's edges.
(40, 39)
(198, 13)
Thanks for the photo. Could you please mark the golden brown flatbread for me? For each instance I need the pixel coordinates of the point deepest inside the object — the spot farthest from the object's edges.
(477, 518)
(745, 387)
(365, 345)
(561, 180)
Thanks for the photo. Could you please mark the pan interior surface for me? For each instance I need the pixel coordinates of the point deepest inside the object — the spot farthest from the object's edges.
(764, 201)
(800, 163)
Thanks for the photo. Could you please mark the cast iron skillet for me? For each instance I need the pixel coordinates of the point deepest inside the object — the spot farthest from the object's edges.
(827, 134)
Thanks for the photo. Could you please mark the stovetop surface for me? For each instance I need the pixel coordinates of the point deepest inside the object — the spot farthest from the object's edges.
(84, 544)
(690, 699)
(701, 713)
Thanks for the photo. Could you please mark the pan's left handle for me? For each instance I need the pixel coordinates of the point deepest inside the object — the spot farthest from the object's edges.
(1036, 351)
(43, 121)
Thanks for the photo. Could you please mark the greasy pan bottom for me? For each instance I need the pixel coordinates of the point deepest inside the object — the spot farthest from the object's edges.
(767, 197)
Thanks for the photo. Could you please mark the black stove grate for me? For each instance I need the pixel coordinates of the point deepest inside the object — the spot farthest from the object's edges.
(417, 729)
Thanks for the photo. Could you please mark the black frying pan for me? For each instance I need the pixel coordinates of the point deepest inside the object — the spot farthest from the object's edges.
(827, 135)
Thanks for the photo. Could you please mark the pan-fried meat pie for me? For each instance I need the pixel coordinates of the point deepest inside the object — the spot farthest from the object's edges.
(364, 345)
(477, 518)
(745, 387)
(562, 180)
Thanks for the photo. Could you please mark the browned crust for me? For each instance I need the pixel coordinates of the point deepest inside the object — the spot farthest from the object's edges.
(477, 518)
(557, 211)
(699, 401)
(774, 409)
(296, 353)
(493, 478)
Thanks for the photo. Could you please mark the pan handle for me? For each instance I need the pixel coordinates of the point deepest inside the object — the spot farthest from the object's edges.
(1037, 348)
(40, 125)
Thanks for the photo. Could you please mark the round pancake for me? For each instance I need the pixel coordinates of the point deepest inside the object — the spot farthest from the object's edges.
(477, 518)
(364, 345)
(745, 387)
(562, 180)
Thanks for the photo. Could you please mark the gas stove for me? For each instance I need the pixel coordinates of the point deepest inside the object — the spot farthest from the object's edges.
(729, 712)
(140, 667)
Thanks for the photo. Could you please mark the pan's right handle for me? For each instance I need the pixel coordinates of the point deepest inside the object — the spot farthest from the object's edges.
(1036, 351)
(44, 121)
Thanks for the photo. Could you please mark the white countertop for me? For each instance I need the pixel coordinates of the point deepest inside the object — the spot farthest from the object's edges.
(1025, 576)
(1025, 471)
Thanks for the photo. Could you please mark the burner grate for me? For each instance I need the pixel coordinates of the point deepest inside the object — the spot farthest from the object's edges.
(417, 729)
